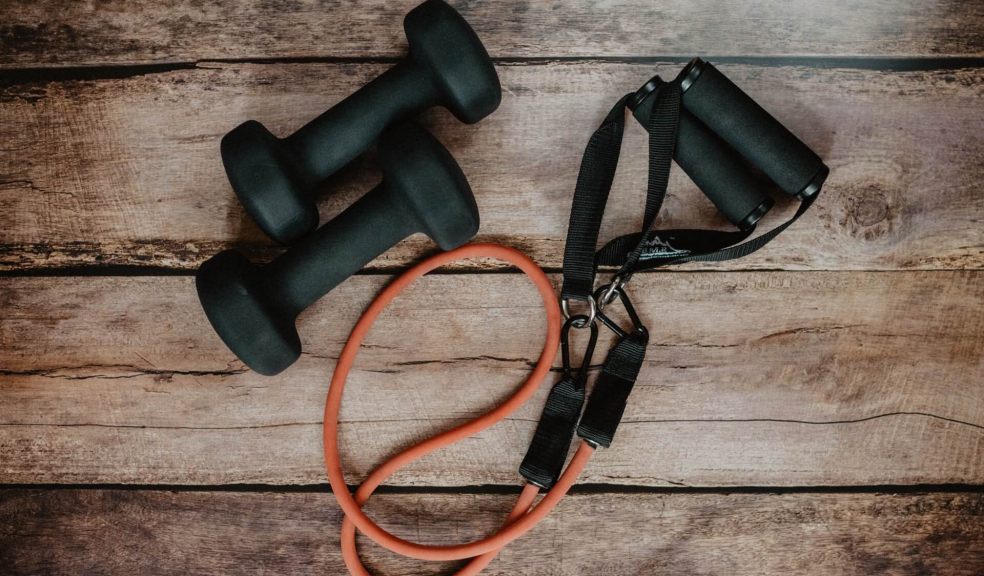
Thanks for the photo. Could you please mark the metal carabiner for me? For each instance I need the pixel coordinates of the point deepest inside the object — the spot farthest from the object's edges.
(565, 347)
(611, 291)
(608, 292)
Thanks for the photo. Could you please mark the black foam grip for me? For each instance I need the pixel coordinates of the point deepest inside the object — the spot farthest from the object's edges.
(715, 167)
(748, 128)
(719, 172)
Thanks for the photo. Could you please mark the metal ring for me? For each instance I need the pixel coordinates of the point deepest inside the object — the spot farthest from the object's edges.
(592, 312)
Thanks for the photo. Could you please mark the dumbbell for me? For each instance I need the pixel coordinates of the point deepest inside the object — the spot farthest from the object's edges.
(712, 164)
(253, 308)
(738, 120)
(275, 178)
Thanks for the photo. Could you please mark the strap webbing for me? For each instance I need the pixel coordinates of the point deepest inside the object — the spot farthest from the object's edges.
(545, 457)
(664, 121)
(594, 182)
(604, 411)
(659, 248)
(646, 249)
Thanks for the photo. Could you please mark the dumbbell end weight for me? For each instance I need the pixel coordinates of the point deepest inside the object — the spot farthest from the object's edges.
(275, 178)
(443, 43)
(255, 162)
(234, 302)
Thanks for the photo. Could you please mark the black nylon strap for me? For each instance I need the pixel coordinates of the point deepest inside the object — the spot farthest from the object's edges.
(611, 391)
(659, 248)
(668, 245)
(754, 244)
(664, 121)
(594, 182)
(545, 457)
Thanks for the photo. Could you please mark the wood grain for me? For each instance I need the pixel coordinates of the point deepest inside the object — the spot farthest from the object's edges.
(52, 33)
(849, 353)
(766, 378)
(127, 171)
(188, 533)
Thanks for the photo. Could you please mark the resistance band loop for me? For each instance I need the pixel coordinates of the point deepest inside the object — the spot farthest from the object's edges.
(524, 514)
(543, 465)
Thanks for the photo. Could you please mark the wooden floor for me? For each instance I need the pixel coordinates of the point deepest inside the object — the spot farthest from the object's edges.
(816, 408)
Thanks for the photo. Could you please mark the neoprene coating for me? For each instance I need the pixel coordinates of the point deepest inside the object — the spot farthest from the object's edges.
(253, 308)
(275, 178)
(748, 128)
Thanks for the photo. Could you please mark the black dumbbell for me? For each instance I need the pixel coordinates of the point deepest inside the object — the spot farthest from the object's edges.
(275, 178)
(253, 308)
(738, 120)
(711, 163)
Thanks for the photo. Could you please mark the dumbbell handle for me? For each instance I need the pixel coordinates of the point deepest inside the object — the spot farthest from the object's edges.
(313, 267)
(326, 144)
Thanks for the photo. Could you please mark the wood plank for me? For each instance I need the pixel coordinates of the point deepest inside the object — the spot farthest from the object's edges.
(159, 532)
(127, 171)
(766, 378)
(49, 33)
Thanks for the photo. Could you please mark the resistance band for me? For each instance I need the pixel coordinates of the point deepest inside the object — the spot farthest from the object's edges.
(658, 106)
(524, 514)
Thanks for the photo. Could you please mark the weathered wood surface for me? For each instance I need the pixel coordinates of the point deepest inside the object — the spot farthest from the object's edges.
(127, 171)
(834, 374)
(187, 533)
(51, 33)
(766, 378)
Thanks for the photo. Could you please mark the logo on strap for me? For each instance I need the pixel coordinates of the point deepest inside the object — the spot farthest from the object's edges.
(657, 248)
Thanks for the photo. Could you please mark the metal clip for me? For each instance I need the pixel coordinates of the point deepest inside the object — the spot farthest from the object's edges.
(577, 321)
(610, 292)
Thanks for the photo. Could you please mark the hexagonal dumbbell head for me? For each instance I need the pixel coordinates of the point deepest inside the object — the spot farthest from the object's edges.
(253, 308)
(275, 178)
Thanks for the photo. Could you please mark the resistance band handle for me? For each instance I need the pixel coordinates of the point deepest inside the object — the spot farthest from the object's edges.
(731, 114)
(717, 115)
(547, 453)
(711, 163)
(611, 392)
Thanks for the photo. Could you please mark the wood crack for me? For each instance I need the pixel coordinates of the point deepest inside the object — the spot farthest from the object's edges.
(64, 373)
(811, 422)
(526, 420)
(523, 361)
(21, 183)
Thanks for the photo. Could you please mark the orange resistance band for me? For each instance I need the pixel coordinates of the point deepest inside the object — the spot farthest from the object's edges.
(524, 514)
